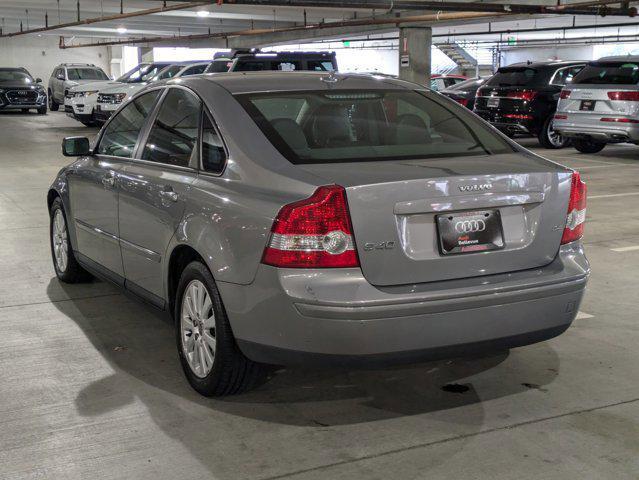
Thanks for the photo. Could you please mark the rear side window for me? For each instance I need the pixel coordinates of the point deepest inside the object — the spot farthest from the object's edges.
(175, 130)
(320, 66)
(121, 134)
(368, 125)
(195, 70)
(213, 153)
(609, 73)
(513, 77)
(564, 76)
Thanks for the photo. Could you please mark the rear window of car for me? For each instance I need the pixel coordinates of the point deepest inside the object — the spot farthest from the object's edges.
(368, 125)
(513, 77)
(609, 73)
(86, 74)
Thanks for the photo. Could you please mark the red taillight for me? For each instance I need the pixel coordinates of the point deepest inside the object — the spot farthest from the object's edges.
(628, 96)
(526, 95)
(618, 120)
(462, 101)
(518, 116)
(576, 217)
(559, 116)
(313, 233)
(564, 94)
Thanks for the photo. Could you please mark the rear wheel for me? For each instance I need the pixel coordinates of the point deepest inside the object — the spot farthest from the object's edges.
(53, 105)
(67, 268)
(550, 138)
(210, 357)
(588, 146)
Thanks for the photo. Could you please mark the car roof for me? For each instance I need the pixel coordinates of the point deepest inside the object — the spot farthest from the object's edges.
(271, 81)
(550, 63)
(619, 58)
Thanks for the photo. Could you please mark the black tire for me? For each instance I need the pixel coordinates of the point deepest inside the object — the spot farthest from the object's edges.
(53, 105)
(73, 272)
(89, 124)
(548, 139)
(42, 110)
(25, 110)
(232, 372)
(588, 146)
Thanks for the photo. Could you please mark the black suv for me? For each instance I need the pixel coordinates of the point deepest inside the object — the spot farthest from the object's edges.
(522, 98)
(246, 61)
(19, 91)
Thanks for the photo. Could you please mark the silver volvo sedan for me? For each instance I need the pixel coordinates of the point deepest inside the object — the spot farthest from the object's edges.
(312, 218)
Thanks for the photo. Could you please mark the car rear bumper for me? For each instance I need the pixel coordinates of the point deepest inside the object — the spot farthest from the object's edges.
(611, 132)
(335, 317)
(514, 124)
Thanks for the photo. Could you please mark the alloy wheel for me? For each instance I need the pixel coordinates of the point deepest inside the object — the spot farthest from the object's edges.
(197, 325)
(60, 241)
(555, 138)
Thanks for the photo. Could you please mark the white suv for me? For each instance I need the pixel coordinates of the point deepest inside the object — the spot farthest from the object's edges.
(80, 102)
(110, 99)
(601, 104)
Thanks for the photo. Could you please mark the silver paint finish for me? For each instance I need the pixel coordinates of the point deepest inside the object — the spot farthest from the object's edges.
(60, 241)
(197, 327)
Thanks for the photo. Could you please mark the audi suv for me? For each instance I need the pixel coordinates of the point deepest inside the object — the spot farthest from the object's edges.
(20, 91)
(601, 105)
(320, 219)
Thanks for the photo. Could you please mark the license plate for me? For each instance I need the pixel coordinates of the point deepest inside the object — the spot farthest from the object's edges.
(492, 103)
(587, 105)
(469, 232)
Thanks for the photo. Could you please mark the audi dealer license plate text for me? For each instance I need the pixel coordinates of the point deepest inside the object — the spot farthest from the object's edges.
(470, 232)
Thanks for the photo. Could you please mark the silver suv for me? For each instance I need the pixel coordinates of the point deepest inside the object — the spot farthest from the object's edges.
(601, 105)
(68, 75)
(297, 218)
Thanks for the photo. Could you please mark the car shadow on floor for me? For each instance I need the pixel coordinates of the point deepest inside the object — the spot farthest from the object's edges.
(139, 344)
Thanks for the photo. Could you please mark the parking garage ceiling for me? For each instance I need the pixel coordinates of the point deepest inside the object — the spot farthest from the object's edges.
(90, 21)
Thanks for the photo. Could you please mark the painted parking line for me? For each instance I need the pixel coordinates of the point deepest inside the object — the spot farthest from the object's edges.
(626, 249)
(627, 194)
(583, 315)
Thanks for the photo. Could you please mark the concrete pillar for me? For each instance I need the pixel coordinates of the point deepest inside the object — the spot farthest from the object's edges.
(414, 53)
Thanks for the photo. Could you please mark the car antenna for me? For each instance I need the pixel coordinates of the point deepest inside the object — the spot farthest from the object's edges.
(330, 78)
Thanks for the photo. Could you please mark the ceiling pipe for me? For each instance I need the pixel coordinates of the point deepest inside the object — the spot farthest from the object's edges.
(120, 16)
(394, 21)
(591, 7)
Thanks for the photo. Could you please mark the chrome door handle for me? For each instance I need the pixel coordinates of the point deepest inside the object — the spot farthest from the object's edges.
(108, 181)
(169, 195)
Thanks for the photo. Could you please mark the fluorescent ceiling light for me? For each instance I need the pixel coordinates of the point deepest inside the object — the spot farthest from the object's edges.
(202, 13)
(121, 30)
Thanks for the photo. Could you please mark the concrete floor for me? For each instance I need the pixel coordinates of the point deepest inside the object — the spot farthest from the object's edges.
(90, 385)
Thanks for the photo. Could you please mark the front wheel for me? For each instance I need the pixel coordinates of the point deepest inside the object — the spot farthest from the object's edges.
(67, 268)
(42, 110)
(588, 146)
(550, 138)
(210, 357)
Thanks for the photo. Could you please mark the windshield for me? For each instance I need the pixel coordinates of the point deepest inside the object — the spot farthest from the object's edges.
(513, 77)
(467, 84)
(368, 125)
(609, 73)
(15, 76)
(168, 72)
(141, 73)
(86, 74)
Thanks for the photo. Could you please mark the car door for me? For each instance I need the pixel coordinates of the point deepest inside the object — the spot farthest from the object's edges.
(154, 189)
(94, 187)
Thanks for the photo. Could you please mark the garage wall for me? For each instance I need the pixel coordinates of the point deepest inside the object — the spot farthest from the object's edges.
(547, 53)
(40, 55)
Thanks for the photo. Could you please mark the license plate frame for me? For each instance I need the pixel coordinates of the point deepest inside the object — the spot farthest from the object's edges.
(587, 105)
(492, 102)
(470, 232)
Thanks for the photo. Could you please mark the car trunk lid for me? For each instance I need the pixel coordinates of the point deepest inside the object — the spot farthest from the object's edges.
(394, 207)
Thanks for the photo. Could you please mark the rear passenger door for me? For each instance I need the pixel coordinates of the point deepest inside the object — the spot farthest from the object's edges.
(154, 190)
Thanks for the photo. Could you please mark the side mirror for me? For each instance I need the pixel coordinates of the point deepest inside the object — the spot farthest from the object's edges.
(75, 146)
(38, 80)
